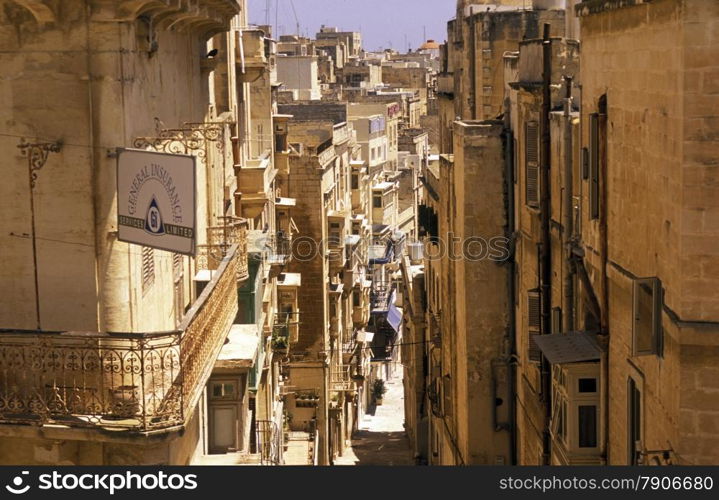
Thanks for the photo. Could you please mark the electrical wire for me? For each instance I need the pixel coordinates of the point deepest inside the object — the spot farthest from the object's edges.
(166, 254)
(41, 139)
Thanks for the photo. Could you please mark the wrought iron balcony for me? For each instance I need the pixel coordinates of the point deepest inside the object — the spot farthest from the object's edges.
(286, 329)
(380, 295)
(280, 245)
(220, 240)
(134, 381)
(341, 379)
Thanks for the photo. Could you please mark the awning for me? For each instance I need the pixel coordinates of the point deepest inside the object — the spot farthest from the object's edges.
(365, 336)
(572, 347)
(285, 202)
(352, 239)
(383, 186)
(394, 315)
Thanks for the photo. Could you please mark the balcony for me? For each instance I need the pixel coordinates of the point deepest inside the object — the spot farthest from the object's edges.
(138, 382)
(208, 16)
(221, 239)
(341, 379)
(280, 244)
(286, 329)
(341, 133)
(250, 54)
(254, 181)
(445, 84)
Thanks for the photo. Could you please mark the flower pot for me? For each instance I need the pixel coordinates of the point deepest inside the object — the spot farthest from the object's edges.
(378, 401)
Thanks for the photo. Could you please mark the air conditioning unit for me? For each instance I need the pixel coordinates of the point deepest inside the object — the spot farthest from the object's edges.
(415, 251)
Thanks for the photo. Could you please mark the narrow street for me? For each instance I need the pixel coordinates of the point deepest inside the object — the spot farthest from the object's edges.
(381, 439)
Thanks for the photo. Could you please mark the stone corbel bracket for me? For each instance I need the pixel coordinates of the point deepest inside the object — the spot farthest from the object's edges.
(206, 16)
(44, 11)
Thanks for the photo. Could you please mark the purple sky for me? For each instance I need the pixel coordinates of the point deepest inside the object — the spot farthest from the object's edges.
(383, 23)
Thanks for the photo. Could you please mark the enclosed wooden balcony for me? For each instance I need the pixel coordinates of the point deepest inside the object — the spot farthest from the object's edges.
(251, 54)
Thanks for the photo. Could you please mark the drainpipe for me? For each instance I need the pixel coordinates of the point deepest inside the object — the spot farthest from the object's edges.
(545, 256)
(511, 335)
(568, 212)
(473, 64)
(604, 325)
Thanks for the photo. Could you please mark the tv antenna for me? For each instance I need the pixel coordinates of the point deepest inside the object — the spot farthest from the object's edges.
(294, 11)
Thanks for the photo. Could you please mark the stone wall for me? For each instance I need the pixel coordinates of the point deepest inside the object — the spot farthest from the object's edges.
(660, 171)
(104, 89)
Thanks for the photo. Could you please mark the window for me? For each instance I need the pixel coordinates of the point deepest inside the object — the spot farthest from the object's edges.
(634, 405)
(179, 301)
(223, 390)
(575, 422)
(356, 299)
(594, 163)
(556, 320)
(586, 385)
(373, 154)
(647, 331)
(515, 160)
(585, 163)
(531, 159)
(534, 324)
(148, 267)
(355, 181)
(176, 265)
(377, 200)
(447, 403)
(335, 234)
(587, 426)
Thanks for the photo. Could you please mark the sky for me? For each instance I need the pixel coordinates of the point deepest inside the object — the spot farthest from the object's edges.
(383, 23)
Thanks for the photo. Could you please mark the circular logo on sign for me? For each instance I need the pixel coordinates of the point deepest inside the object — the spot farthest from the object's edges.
(153, 220)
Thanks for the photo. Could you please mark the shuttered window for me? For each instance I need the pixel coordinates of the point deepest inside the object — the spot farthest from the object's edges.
(635, 421)
(531, 160)
(148, 267)
(556, 320)
(594, 166)
(176, 265)
(534, 318)
(647, 331)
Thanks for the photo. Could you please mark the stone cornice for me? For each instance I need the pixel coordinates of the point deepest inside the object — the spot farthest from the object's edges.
(590, 7)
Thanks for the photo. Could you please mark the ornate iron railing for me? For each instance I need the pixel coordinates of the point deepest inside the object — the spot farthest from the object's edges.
(220, 240)
(341, 379)
(285, 329)
(269, 441)
(191, 139)
(136, 381)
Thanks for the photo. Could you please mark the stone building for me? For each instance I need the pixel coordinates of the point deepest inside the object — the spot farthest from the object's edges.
(300, 75)
(471, 84)
(352, 40)
(322, 145)
(651, 158)
(64, 269)
(140, 74)
(602, 339)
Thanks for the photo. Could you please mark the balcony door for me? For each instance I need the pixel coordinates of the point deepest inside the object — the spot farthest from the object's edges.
(223, 429)
(225, 403)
